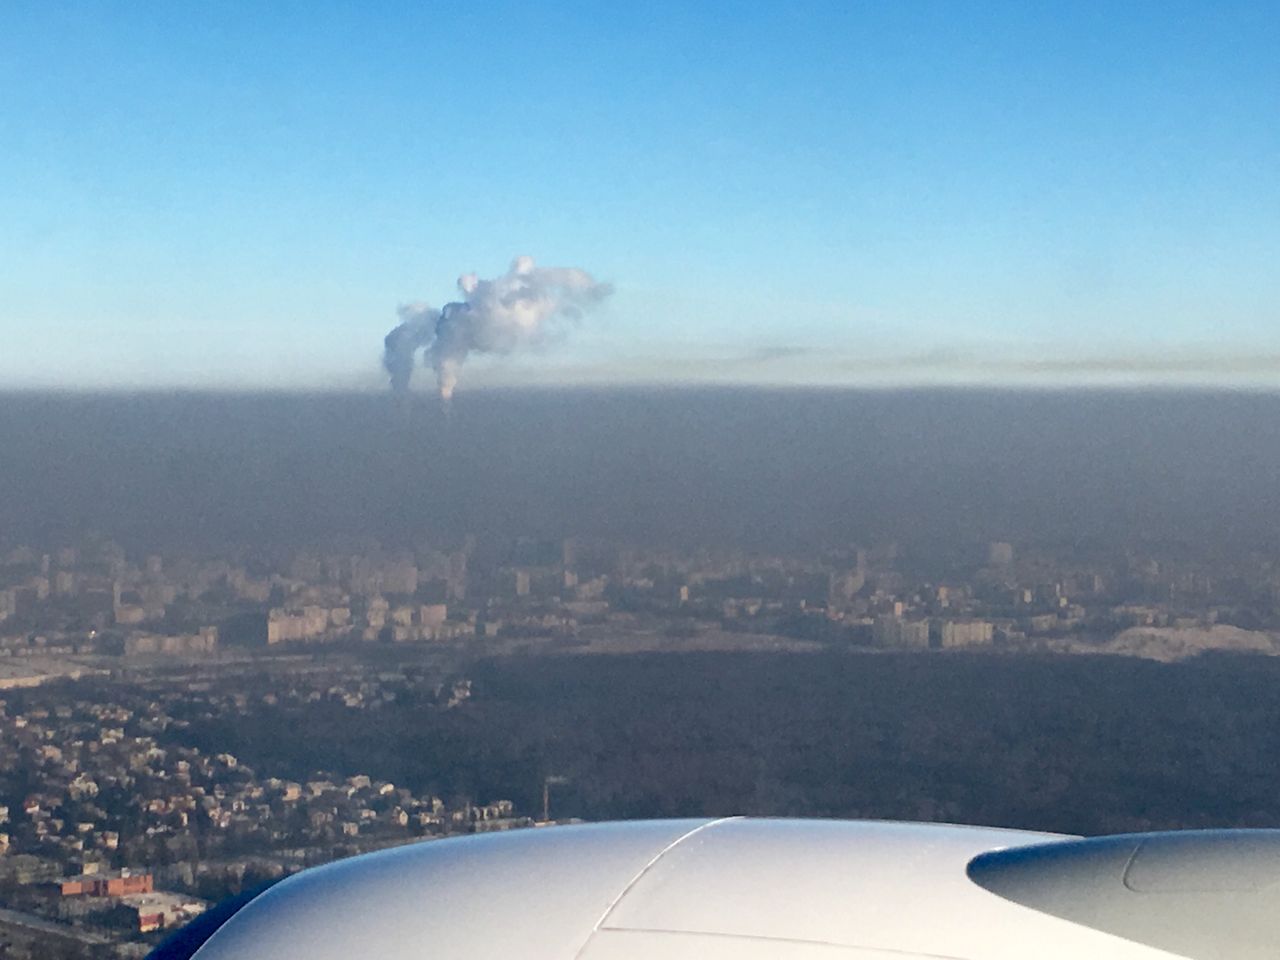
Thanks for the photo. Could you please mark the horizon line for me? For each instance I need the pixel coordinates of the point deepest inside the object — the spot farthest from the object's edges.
(416, 396)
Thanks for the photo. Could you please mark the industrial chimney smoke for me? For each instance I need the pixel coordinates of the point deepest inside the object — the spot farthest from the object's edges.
(519, 309)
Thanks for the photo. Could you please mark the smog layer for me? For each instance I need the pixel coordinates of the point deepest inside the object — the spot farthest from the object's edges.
(771, 468)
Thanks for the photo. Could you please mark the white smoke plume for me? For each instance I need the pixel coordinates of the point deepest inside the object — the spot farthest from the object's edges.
(519, 309)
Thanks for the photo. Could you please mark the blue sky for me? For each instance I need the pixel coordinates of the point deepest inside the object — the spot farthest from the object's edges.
(239, 195)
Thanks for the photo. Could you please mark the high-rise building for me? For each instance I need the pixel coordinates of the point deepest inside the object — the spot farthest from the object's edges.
(896, 632)
(431, 616)
(965, 633)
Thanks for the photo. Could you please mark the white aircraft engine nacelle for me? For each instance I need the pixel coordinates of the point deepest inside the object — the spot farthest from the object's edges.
(749, 889)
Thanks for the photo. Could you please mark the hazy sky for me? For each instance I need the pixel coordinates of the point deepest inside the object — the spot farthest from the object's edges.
(241, 194)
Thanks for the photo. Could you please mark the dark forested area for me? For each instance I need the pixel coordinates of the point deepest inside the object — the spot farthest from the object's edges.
(1077, 744)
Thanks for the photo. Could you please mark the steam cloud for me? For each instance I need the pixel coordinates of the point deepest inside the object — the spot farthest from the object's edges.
(521, 308)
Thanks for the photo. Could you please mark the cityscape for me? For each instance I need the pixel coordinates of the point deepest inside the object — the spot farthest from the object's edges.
(563, 482)
(121, 817)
